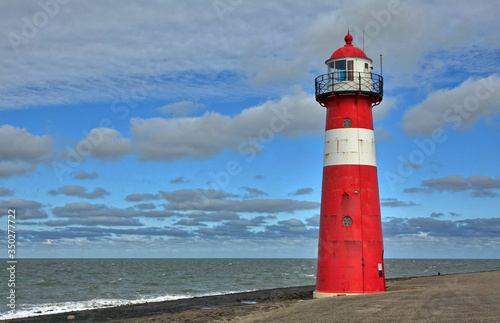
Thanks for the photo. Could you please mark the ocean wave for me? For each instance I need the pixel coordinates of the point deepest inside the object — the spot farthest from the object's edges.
(65, 307)
(309, 275)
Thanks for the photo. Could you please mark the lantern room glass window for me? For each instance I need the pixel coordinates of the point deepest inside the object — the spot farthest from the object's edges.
(344, 70)
(339, 69)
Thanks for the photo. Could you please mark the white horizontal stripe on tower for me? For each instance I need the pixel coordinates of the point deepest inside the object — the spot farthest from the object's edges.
(349, 146)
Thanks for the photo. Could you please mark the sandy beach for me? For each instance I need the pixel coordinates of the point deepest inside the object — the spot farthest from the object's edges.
(473, 297)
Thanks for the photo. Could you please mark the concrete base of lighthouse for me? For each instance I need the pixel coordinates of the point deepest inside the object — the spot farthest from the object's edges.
(325, 295)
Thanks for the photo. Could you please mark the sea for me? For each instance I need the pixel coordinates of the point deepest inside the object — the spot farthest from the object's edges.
(49, 286)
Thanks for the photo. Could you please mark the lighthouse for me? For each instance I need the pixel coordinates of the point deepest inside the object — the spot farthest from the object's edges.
(350, 251)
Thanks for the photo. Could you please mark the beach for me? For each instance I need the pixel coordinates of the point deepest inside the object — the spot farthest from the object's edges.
(444, 298)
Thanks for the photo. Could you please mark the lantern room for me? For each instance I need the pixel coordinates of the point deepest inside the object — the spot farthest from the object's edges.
(349, 59)
(349, 71)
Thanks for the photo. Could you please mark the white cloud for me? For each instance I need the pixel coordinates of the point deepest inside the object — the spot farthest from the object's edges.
(382, 110)
(80, 191)
(253, 192)
(6, 192)
(293, 115)
(26, 209)
(101, 143)
(11, 169)
(484, 182)
(17, 144)
(480, 185)
(85, 175)
(145, 206)
(406, 35)
(479, 227)
(202, 137)
(91, 52)
(302, 191)
(458, 108)
(194, 195)
(453, 183)
(21, 151)
(393, 202)
(139, 197)
(253, 205)
(292, 222)
(313, 221)
(168, 139)
(298, 112)
(100, 214)
(179, 180)
(103, 52)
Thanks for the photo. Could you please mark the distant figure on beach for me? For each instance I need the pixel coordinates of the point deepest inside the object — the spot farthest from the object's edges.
(439, 274)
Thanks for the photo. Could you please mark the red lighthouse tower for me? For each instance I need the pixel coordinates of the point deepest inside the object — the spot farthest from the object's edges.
(350, 255)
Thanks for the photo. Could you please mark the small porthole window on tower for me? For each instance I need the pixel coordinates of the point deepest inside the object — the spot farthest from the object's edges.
(347, 221)
(347, 122)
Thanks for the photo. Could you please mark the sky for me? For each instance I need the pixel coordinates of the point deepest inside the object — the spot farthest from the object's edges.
(190, 128)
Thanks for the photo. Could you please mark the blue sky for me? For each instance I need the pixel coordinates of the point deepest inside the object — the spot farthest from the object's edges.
(190, 128)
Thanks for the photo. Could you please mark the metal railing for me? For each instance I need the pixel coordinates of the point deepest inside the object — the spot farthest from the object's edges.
(340, 82)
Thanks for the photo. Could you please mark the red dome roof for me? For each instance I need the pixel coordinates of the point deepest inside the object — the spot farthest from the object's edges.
(348, 50)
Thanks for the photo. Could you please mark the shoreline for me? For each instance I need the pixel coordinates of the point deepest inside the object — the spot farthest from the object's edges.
(179, 305)
(227, 306)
